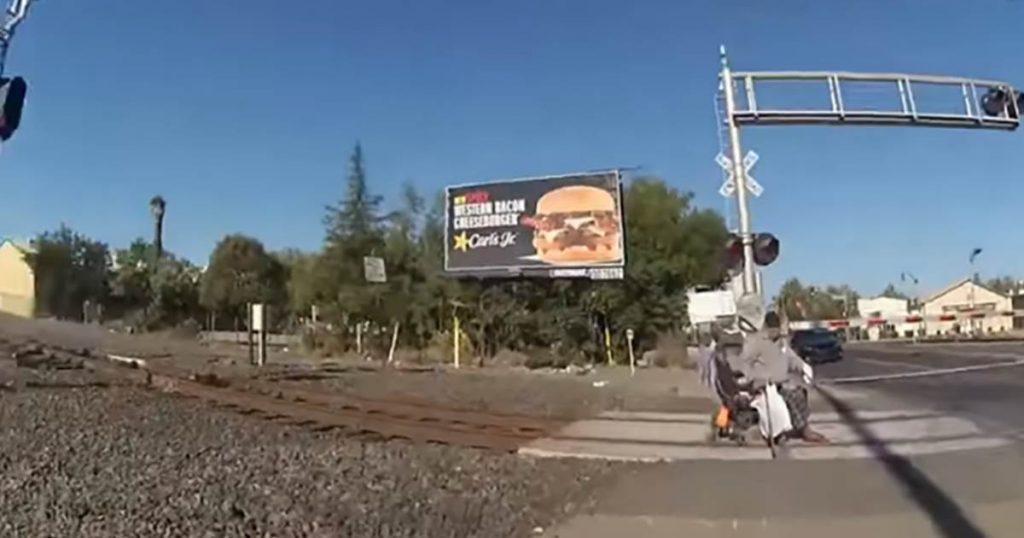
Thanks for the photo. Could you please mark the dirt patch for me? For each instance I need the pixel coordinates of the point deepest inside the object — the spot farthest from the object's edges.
(518, 391)
(502, 388)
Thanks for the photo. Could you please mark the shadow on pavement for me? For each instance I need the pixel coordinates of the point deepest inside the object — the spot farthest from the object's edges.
(945, 514)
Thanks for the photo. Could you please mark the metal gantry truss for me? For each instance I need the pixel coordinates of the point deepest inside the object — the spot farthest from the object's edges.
(967, 103)
(16, 12)
(966, 111)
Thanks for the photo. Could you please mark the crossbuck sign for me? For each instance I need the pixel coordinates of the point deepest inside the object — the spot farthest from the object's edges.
(729, 187)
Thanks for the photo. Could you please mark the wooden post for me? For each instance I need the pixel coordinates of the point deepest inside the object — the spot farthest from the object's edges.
(632, 358)
(248, 334)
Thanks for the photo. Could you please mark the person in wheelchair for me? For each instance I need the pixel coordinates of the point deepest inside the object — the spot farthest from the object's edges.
(766, 359)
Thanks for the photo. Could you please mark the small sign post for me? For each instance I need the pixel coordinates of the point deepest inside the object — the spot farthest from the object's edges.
(260, 321)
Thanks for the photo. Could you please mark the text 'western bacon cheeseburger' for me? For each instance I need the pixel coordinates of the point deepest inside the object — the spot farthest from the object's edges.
(575, 225)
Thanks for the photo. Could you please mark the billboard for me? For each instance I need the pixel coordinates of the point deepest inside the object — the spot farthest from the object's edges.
(568, 226)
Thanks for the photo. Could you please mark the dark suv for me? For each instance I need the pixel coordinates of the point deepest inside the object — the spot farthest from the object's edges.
(817, 345)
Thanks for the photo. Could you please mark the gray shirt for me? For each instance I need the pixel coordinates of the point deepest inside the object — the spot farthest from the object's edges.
(765, 361)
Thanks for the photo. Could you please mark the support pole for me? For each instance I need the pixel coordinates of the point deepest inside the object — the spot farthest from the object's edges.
(394, 342)
(632, 357)
(739, 176)
(261, 350)
(455, 338)
(608, 342)
(248, 334)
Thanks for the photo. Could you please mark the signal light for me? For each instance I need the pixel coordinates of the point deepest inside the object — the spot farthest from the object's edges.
(766, 249)
(12, 101)
(1000, 102)
(733, 252)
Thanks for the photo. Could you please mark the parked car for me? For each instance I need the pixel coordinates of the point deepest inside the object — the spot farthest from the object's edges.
(817, 345)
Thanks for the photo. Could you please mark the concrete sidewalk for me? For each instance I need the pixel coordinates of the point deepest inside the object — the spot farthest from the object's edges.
(653, 436)
(1002, 520)
(971, 494)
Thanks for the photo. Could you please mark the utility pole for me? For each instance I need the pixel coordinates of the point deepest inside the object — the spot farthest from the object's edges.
(970, 295)
(739, 176)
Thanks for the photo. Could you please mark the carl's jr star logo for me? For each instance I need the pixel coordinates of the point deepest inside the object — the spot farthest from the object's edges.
(462, 242)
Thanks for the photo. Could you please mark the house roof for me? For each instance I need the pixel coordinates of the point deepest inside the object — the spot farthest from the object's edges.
(23, 246)
(956, 285)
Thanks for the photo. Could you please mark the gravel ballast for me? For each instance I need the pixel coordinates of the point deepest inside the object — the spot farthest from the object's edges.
(121, 461)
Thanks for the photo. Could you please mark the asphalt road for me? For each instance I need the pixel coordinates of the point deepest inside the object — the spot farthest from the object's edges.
(976, 493)
(982, 382)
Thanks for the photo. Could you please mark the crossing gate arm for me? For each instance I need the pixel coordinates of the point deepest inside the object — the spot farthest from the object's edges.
(963, 110)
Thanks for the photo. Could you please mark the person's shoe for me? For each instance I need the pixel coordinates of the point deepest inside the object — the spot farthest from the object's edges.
(814, 437)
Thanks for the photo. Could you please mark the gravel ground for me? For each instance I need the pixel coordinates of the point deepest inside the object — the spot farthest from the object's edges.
(120, 461)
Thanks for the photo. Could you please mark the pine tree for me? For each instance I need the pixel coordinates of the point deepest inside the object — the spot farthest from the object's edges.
(356, 219)
(355, 229)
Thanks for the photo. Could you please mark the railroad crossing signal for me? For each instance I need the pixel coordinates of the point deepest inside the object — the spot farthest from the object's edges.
(729, 187)
(766, 250)
(12, 100)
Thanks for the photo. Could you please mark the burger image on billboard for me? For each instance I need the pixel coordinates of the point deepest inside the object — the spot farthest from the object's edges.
(577, 225)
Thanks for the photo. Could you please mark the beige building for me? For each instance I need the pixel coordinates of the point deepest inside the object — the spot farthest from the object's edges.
(17, 281)
(959, 297)
(889, 308)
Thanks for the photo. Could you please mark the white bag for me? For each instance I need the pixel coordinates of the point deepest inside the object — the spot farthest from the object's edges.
(773, 412)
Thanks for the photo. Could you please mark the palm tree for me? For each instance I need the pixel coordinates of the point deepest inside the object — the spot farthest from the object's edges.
(157, 206)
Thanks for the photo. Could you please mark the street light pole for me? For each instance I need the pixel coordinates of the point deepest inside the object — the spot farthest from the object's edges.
(970, 259)
(739, 176)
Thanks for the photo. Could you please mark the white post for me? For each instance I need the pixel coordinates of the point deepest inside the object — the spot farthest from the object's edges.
(394, 342)
(456, 330)
(739, 177)
(259, 325)
(359, 339)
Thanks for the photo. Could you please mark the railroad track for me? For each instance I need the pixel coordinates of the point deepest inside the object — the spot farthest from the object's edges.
(319, 410)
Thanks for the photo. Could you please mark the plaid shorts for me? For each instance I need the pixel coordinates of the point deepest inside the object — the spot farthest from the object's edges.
(799, 408)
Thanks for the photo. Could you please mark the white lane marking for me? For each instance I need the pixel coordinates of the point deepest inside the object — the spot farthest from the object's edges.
(926, 373)
(893, 363)
(629, 452)
(705, 418)
(986, 355)
(652, 437)
(691, 428)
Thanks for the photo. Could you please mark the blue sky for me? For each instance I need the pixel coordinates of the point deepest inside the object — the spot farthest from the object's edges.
(242, 113)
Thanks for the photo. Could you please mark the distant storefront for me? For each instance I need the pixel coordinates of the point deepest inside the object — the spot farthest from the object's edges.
(966, 296)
